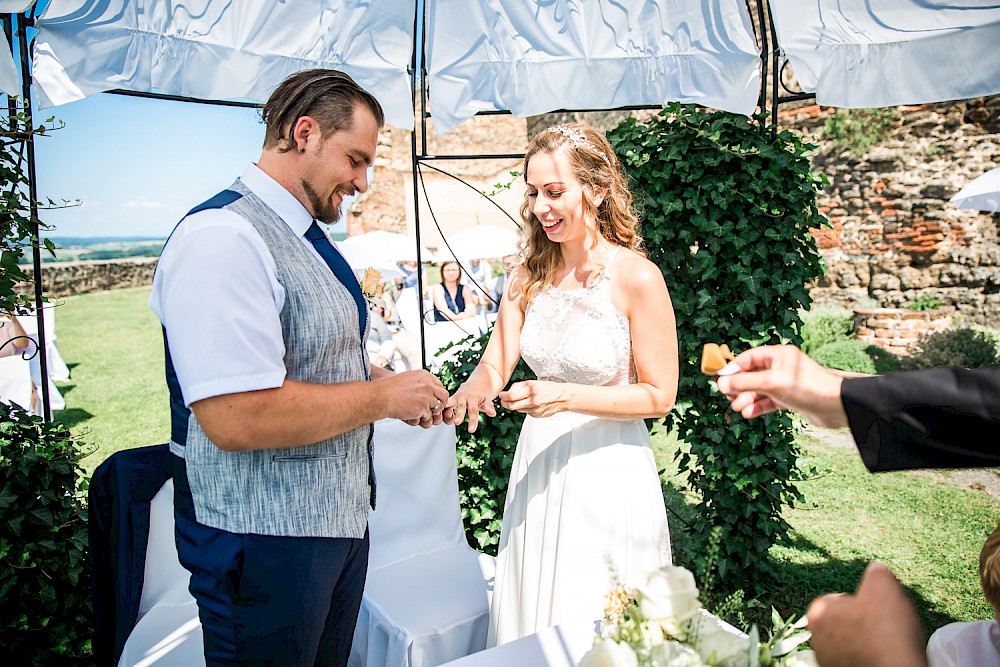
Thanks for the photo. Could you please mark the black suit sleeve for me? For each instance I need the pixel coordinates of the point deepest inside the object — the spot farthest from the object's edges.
(935, 418)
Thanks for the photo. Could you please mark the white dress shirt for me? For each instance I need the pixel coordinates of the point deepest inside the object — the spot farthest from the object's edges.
(217, 293)
(975, 644)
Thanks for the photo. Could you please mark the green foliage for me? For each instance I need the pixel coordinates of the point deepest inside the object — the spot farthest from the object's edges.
(858, 130)
(727, 205)
(957, 347)
(856, 356)
(485, 457)
(17, 224)
(44, 583)
(826, 325)
(925, 301)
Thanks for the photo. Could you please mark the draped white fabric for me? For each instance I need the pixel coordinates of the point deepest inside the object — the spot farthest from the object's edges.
(875, 53)
(14, 6)
(222, 50)
(531, 58)
(10, 81)
(525, 57)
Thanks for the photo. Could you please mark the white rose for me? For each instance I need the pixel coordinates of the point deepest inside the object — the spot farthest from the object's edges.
(669, 593)
(800, 659)
(610, 654)
(718, 644)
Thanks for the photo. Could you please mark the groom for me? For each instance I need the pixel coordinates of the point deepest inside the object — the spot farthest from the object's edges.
(272, 397)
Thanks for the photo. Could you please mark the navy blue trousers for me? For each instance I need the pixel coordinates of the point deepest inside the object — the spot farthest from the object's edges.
(266, 600)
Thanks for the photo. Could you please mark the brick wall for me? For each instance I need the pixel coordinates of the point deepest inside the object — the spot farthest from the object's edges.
(895, 235)
(896, 329)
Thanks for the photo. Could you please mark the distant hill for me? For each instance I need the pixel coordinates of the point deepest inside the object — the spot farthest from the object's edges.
(72, 248)
(76, 241)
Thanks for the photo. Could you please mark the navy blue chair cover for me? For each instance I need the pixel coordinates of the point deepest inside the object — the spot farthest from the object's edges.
(118, 515)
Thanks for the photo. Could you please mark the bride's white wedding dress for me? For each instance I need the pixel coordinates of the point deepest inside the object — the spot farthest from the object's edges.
(584, 505)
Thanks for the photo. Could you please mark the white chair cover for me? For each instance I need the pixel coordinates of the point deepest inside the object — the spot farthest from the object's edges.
(15, 381)
(427, 595)
(426, 599)
(167, 631)
(30, 324)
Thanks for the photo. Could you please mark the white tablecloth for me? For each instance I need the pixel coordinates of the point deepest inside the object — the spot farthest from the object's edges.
(561, 646)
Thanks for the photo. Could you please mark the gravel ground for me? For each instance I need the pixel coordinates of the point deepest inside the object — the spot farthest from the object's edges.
(983, 480)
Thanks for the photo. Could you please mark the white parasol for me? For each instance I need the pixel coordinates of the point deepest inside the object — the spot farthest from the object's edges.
(982, 194)
(480, 242)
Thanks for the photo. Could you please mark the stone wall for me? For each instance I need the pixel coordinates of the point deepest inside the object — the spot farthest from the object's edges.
(450, 204)
(68, 278)
(895, 235)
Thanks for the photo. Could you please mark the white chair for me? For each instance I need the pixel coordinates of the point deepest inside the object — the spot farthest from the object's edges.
(427, 595)
(30, 324)
(15, 381)
(167, 632)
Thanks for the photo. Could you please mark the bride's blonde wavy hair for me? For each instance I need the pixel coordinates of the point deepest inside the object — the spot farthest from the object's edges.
(596, 166)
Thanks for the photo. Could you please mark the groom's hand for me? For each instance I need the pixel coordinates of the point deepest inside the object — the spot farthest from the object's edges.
(415, 397)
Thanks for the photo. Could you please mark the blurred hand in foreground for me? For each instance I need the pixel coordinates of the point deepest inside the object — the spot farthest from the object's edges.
(765, 379)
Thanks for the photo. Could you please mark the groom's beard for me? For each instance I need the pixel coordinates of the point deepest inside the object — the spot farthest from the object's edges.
(323, 210)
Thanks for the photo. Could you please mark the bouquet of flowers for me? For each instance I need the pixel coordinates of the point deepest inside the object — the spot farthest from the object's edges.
(662, 624)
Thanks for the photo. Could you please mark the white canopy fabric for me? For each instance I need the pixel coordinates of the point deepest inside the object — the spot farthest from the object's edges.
(877, 53)
(221, 50)
(534, 57)
(10, 79)
(526, 56)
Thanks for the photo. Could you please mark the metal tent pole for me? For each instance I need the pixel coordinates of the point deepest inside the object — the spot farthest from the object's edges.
(23, 21)
(417, 69)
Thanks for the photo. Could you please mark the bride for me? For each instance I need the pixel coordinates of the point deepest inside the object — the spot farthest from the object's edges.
(592, 318)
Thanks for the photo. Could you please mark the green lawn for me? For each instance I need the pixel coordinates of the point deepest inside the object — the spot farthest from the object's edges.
(116, 397)
(929, 531)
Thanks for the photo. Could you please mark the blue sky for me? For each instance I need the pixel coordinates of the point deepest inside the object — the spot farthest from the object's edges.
(137, 165)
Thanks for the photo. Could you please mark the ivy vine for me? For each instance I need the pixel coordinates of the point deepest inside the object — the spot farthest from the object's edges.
(18, 228)
(727, 205)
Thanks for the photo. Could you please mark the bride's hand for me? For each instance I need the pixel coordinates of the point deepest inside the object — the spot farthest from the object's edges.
(466, 401)
(537, 398)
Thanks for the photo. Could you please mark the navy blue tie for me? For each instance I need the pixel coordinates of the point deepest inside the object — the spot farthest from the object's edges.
(340, 268)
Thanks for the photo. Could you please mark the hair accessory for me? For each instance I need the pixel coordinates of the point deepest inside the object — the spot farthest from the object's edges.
(576, 138)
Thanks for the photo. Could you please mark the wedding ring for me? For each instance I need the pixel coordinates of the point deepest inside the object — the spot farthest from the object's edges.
(436, 405)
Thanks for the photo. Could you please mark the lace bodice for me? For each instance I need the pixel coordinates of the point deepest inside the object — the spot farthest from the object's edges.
(578, 336)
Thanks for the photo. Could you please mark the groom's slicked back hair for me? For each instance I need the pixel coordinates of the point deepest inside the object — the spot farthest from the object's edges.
(327, 95)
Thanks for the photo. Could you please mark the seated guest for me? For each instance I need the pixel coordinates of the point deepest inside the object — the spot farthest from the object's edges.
(380, 345)
(13, 339)
(481, 276)
(452, 300)
(977, 643)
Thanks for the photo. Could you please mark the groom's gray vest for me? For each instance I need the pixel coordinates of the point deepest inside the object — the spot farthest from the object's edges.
(320, 490)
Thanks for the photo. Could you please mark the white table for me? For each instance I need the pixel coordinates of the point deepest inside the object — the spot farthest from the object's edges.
(561, 646)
